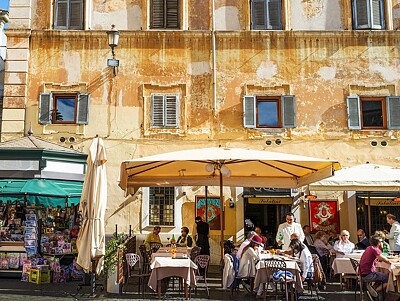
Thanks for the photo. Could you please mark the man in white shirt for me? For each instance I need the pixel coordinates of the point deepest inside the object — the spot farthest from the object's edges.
(246, 242)
(394, 234)
(287, 229)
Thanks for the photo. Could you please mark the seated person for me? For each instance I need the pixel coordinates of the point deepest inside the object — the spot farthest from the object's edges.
(184, 240)
(382, 235)
(264, 238)
(333, 237)
(321, 243)
(153, 237)
(306, 262)
(363, 241)
(247, 241)
(248, 260)
(289, 251)
(343, 246)
(367, 266)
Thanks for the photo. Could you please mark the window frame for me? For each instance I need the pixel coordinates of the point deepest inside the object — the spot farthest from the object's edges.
(364, 100)
(47, 108)
(369, 18)
(54, 110)
(268, 21)
(286, 110)
(160, 221)
(390, 112)
(165, 11)
(69, 14)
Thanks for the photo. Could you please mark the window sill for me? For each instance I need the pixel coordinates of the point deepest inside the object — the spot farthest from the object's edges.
(168, 228)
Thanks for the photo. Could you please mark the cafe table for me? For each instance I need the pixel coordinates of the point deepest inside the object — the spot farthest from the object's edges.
(394, 273)
(263, 276)
(166, 266)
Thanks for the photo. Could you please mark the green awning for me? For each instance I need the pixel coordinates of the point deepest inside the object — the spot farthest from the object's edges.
(41, 191)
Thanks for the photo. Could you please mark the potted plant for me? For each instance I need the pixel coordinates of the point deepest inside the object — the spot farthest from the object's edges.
(111, 261)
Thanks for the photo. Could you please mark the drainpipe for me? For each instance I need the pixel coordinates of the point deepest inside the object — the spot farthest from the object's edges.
(214, 60)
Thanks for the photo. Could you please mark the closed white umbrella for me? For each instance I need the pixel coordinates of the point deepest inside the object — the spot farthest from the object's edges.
(91, 237)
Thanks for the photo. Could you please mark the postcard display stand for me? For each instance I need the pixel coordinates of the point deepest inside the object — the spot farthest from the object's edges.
(41, 239)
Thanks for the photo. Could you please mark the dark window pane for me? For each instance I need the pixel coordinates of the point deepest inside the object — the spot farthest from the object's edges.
(65, 109)
(267, 113)
(372, 113)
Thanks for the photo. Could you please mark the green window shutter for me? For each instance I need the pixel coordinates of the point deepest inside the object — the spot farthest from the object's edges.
(157, 111)
(393, 111)
(274, 14)
(258, 14)
(83, 109)
(172, 14)
(377, 14)
(76, 14)
(288, 111)
(61, 14)
(249, 111)
(157, 11)
(353, 113)
(45, 108)
(171, 111)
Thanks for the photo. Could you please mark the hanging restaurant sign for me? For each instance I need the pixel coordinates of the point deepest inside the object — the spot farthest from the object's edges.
(271, 201)
(324, 215)
(213, 211)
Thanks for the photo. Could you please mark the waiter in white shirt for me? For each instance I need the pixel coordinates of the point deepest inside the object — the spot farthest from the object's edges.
(287, 229)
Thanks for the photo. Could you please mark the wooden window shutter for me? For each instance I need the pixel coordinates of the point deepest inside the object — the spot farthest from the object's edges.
(61, 14)
(45, 108)
(361, 14)
(258, 14)
(157, 11)
(393, 111)
(76, 14)
(288, 111)
(172, 14)
(171, 111)
(274, 14)
(377, 14)
(353, 113)
(83, 109)
(249, 111)
(157, 111)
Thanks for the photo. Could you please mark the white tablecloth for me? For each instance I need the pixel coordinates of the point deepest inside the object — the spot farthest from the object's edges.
(163, 267)
(355, 255)
(342, 266)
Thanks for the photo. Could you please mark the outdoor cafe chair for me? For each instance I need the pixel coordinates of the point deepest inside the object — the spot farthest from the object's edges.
(202, 262)
(194, 252)
(154, 246)
(146, 257)
(133, 260)
(277, 265)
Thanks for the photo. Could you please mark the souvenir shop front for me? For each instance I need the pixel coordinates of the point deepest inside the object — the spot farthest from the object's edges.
(40, 190)
(39, 230)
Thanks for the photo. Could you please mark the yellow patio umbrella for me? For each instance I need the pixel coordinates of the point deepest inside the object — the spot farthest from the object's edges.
(219, 166)
(91, 237)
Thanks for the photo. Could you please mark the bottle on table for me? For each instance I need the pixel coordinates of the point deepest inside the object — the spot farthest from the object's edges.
(173, 241)
(280, 237)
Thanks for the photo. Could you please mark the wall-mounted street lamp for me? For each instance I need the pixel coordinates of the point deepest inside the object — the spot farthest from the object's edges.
(113, 37)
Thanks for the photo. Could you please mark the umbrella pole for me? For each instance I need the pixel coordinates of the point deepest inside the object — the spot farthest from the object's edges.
(369, 214)
(222, 217)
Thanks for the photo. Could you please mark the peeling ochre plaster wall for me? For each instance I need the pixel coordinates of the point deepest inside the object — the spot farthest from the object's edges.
(315, 15)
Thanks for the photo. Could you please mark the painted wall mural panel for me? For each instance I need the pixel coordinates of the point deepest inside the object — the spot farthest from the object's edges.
(324, 215)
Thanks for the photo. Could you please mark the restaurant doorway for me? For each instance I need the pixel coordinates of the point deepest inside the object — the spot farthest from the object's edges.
(267, 217)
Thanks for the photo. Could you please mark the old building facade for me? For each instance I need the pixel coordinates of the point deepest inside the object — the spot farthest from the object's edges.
(311, 77)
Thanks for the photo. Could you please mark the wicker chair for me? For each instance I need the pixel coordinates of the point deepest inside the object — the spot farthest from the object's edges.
(276, 265)
(154, 246)
(194, 253)
(146, 256)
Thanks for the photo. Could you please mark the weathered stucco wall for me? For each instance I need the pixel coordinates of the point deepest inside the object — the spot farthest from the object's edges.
(319, 67)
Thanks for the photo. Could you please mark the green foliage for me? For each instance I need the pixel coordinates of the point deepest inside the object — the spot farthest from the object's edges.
(111, 257)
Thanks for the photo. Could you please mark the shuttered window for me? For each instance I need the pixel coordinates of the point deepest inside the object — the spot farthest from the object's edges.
(165, 14)
(164, 111)
(368, 14)
(68, 14)
(373, 112)
(263, 111)
(63, 108)
(266, 14)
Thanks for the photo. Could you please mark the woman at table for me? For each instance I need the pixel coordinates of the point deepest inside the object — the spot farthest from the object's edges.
(382, 235)
(301, 251)
(321, 243)
(184, 240)
(248, 260)
(343, 246)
